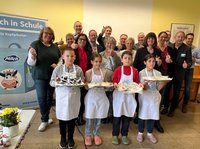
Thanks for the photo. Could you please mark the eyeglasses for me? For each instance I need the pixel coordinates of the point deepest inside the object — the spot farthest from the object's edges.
(47, 33)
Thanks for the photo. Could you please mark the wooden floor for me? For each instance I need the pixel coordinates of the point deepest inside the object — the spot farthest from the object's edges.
(181, 132)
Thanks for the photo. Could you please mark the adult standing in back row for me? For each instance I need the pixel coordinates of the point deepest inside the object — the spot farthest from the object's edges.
(83, 54)
(43, 56)
(182, 61)
(150, 47)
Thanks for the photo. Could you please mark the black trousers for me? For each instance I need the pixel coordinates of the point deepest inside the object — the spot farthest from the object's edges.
(82, 108)
(67, 125)
(124, 121)
(177, 83)
(166, 94)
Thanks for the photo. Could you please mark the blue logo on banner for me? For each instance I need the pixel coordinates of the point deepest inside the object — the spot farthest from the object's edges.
(11, 58)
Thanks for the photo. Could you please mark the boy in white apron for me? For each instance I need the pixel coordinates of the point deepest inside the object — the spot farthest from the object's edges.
(149, 101)
(96, 101)
(67, 98)
(124, 104)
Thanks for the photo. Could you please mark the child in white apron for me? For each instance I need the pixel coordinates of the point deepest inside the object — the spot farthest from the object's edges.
(149, 101)
(67, 98)
(96, 102)
(124, 104)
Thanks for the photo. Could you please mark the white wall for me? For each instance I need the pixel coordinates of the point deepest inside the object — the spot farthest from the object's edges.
(124, 16)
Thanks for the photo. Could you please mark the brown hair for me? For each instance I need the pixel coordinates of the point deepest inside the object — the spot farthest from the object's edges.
(51, 31)
(127, 53)
(153, 36)
(94, 55)
(148, 56)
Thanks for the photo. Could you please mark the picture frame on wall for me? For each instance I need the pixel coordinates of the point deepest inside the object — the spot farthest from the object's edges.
(186, 28)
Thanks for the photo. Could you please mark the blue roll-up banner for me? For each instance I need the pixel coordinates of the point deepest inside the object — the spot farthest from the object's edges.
(16, 83)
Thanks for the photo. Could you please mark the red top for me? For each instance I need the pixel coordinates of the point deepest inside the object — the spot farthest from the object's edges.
(127, 71)
(83, 59)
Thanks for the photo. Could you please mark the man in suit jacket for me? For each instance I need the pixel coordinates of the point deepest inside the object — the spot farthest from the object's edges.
(93, 42)
(182, 59)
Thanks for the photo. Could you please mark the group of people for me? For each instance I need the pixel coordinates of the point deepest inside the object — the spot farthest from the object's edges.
(125, 63)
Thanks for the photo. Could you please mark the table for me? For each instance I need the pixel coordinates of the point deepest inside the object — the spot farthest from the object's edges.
(26, 117)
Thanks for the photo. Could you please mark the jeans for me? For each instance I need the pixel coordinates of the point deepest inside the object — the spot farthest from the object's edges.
(125, 125)
(63, 128)
(92, 123)
(45, 96)
(188, 82)
(141, 125)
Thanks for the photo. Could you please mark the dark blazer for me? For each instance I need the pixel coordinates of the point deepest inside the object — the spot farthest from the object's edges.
(100, 40)
(99, 48)
(183, 53)
(140, 55)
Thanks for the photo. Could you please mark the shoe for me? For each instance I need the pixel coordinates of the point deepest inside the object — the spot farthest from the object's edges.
(50, 121)
(43, 126)
(170, 114)
(115, 140)
(184, 108)
(88, 140)
(158, 126)
(63, 143)
(125, 140)
(140, 137)
(71, 143)
(152, 138)
(97, 140)
(164, 111)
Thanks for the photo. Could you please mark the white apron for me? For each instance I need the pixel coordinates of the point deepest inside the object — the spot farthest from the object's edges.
(67, 99)
(124, 103)
(96, 101)
(149, 102)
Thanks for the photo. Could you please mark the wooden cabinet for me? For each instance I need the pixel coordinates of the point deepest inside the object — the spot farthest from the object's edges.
(195, 83)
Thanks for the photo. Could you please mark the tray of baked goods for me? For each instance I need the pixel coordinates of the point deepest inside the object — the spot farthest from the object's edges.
(158, 78)
(100, 84)
(66, 81)
(130, 88)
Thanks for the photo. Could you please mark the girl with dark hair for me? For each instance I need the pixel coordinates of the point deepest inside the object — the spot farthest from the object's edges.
(96, 101)
(149, 101)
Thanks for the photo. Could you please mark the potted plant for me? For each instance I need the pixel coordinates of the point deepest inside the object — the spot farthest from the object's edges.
(9, 120)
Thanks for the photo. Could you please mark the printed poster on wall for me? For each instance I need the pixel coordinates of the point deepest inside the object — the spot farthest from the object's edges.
(16, 83)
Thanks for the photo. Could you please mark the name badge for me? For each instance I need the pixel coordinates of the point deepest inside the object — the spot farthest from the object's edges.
(183, 55)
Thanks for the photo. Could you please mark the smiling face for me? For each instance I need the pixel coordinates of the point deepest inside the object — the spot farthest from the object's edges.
(189, 40)
(108, 32)
(129, 44)
(150, 63)
(123, 38)
(68, 57)
(69, 39)
(126, 60)
(82, 41)
(78, 27)
(93, 36)
(47, 36)
(141, 37)
(162, 38)
(179, 38)
(96, 63)
(150, 41)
